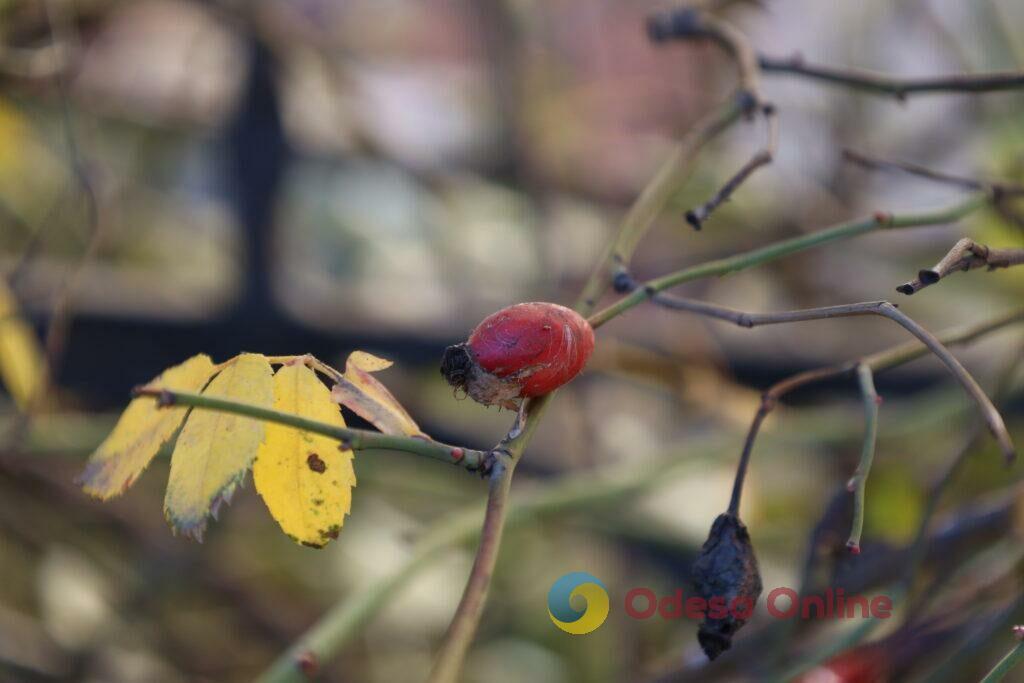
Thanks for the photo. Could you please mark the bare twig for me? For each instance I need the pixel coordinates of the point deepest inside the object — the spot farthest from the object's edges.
(695, 24)
(963, 182)
(655, 195)
(882, 308)
(689, 23)
(900, 88)
(762, 157)
(60, 317)
(1010, 661)
(467, 616)
(776, 250)
(965, 255)
(499, 465)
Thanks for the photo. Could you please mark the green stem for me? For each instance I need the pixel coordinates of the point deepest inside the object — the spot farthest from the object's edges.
(356, 439)
(783, 248)
(654, 197)
(1011, 660)
(571, 494)
(859, 480)
(459, 637)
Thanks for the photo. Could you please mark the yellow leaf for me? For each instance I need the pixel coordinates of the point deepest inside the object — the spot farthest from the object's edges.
(140, 432)
(361, 393)
(22, 367)
(367, 361)
(305, 479)
(214, 449)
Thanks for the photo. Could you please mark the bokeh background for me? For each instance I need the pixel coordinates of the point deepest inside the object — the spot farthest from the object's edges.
(321, 176)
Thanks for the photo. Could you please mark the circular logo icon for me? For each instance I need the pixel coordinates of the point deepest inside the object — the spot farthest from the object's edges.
(578, 587)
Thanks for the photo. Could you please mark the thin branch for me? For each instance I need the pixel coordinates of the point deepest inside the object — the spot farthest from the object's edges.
(858, 481)
(771, 252)
(569, 494)
(696, 24)
(1010, 661)
(763, 157)
(965, 255)
(689, 23)
(900, 88)
(355, 439)
(464, 624)
(499, 464)
(963, 182)
(654, 197)
(63, 32)
(882, 308)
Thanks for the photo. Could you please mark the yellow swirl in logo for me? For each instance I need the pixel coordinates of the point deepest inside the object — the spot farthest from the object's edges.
(578, 586)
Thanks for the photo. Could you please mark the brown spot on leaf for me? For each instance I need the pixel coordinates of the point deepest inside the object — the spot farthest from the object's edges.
(316, 463)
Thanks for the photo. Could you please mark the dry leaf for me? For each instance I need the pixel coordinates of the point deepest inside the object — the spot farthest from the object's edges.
(361, 393)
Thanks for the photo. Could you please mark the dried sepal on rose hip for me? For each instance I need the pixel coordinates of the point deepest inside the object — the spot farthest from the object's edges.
(521, 351)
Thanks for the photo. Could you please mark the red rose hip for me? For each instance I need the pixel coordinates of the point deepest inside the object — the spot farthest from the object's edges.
(521, 351)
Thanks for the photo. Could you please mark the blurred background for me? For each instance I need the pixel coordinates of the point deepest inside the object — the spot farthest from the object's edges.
(293, 176)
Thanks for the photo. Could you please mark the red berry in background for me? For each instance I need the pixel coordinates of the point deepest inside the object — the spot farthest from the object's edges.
(865, 664)
(521, 351)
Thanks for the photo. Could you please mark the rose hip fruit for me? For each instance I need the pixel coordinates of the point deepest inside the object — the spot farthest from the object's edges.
(521, 351)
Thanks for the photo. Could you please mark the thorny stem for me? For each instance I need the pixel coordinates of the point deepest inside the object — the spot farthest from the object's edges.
(776, 250)
(858, 482)
(355, 439)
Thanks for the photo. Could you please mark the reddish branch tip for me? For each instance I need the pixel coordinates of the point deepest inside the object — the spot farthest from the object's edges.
(1018, 632)
(308, 663)
(854, 548)
(519, 352)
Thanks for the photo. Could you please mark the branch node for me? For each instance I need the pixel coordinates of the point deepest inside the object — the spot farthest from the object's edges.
(622, 282)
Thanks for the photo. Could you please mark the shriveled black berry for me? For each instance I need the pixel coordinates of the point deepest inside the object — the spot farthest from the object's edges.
(725, 569)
